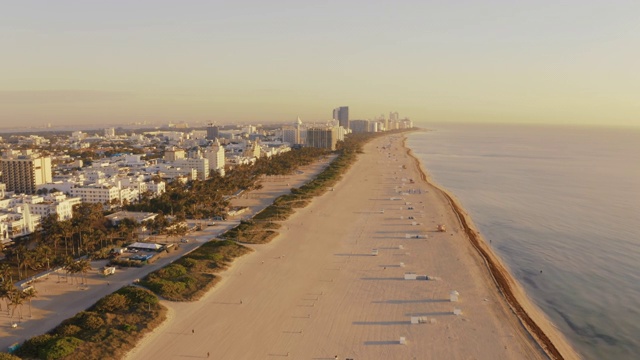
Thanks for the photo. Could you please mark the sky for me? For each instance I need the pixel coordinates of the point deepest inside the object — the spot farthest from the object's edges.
(69, 62)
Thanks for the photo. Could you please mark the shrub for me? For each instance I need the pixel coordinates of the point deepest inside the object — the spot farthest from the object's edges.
(60, 348)
(112, 303)
(6, 356)
(137, 295)
(188, 262)
(68, 330)
(90, 320)
(31, 348)
(172, 271)
(129, 328)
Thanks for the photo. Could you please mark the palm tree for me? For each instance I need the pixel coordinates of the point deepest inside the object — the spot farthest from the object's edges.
(29, 294)
(30, 261)
(67, 232)
(45, 254)
(5, 273)
(83, 266)
(17, 299)
(6, 285)
(69, 267)
(20, 252)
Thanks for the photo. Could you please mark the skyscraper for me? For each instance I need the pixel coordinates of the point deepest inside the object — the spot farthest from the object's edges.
(342, 115)
(213, 132)
(322, 138)
(293, 134)
(25, 172)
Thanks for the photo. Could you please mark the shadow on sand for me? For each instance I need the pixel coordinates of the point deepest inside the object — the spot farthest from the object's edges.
(420, 301)
(384, 342)
(436, 313)
(381, 322)
(379, 278)
(352, 254)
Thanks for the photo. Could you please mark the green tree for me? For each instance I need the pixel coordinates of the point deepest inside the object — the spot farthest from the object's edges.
(29, 294)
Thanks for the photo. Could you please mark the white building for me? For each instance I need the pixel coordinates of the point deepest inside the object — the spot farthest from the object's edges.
(23, 173)
(106, 194)
(19, 223)
(173, 154)
(216, 157)
(157, 188)
(200, 165)
(56, 203)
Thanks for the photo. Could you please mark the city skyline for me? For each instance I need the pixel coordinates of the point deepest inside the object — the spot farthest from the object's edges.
(73, 62)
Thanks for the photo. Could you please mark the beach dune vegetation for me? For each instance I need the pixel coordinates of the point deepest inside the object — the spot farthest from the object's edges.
(188, 278)
(111, 326)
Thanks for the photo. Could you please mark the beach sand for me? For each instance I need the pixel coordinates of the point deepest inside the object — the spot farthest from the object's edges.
(317, 291)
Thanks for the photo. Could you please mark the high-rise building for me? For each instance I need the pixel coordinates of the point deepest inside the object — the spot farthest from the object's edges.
(322, 138)
(360, 126)
(216, 157)
(213, 132)
(293, 134)
(341, 114)
(23, 173)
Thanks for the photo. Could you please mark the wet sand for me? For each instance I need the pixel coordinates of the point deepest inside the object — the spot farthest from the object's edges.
(317, 291)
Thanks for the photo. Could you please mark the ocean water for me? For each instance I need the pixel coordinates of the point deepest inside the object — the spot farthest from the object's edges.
(561, 200)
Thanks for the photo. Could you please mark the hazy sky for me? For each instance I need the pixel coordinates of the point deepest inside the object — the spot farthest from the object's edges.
(117, 61)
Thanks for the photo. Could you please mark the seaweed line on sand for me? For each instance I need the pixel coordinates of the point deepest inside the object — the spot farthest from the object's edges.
(500, 275)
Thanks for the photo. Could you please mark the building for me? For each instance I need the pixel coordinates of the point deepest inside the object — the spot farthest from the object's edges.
(360, 126)
(56, 203)
(322, 138)
(23, 173)
(200, 165)
(110, 133)
(138, 217)
(341, 114)
(174, 154)
(213, 132)
(216, 157)
(295, 134)
(106, 195)
(156, 188)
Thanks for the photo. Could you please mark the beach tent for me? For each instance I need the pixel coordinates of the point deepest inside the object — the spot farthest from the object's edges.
(409, 276)
(453, 296)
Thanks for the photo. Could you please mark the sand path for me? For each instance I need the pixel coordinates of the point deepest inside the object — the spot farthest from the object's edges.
(316, 291)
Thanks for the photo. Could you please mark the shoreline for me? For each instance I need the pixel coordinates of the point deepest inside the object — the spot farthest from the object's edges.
(533, 320)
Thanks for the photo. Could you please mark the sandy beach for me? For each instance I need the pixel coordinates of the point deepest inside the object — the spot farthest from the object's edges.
(317, 291)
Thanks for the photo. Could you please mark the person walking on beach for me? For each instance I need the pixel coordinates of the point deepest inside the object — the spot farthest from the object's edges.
(208, 354)
(193, 331)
